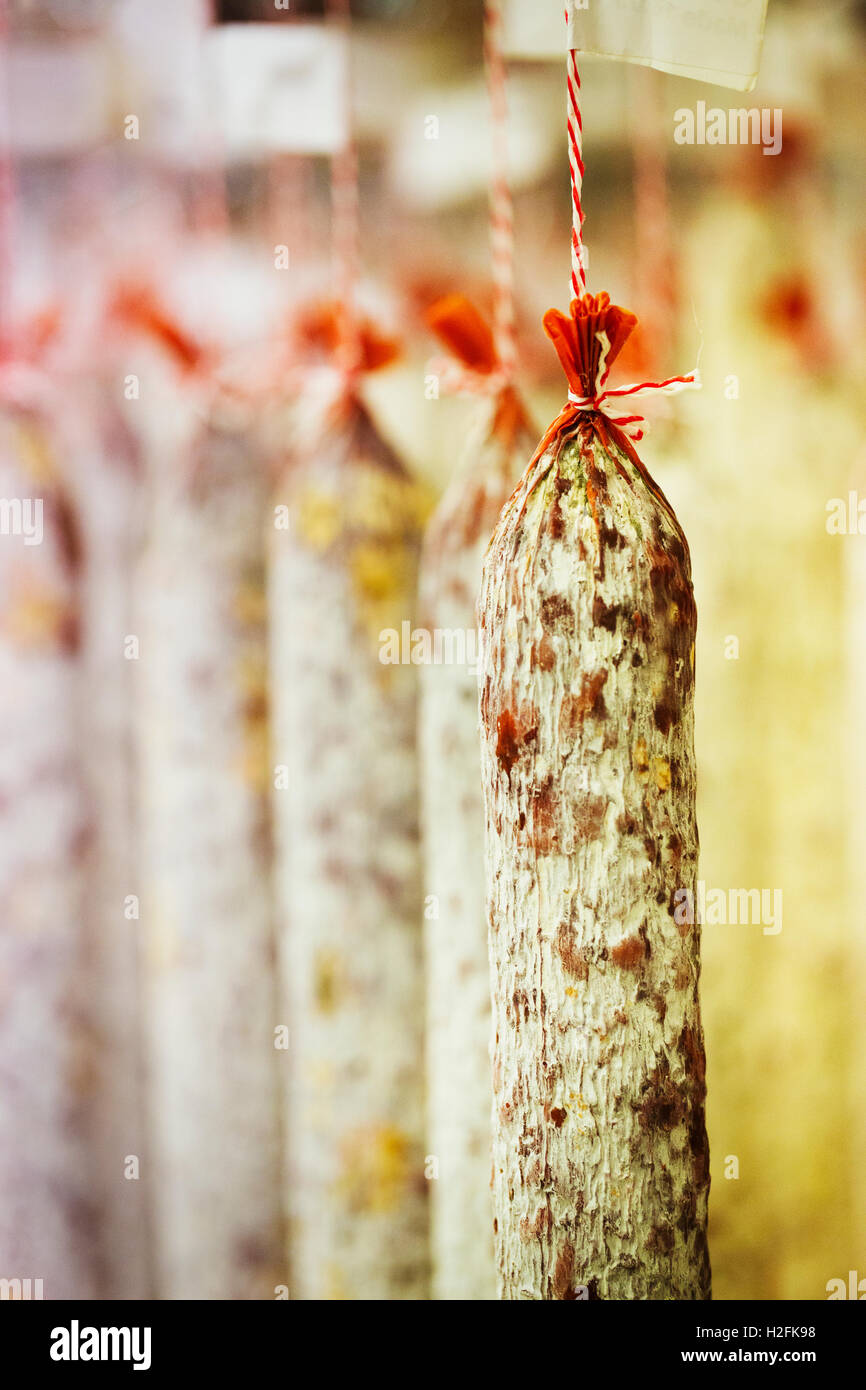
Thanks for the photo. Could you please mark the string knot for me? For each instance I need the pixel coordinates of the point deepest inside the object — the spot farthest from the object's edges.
(478, 368)
(354, 343)
(587, 341)
(635, 426)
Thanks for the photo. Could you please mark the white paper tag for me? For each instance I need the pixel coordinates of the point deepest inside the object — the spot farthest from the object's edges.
(59, 96)
(160, 78)
(710, 40)
(280, 87)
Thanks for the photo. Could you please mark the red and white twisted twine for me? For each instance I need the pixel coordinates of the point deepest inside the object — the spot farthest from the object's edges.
(576, 166)
(453, 378)
(501, 206)
(6, 176)
(345, 211)
(604, 401)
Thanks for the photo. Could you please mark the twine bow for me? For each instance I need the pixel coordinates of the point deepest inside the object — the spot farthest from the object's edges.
(587, 341)
(475, 369)
(635, 426)
(478, 369)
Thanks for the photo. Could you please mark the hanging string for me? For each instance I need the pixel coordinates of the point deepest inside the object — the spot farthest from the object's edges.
(501, 204)
(582, 337)
(656, 289)
(210, 203)
(345, 208)
(288, 201)
(575, 161)
(7, 186)
(483, 362)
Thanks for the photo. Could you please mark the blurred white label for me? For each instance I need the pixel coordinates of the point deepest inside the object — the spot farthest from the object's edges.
(710, 40)
(58, 95)
(280, 87)
(161, 77)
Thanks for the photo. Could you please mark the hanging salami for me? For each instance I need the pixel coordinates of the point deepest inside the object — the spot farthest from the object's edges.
(48, 1216)
(458, 975)
(206, 917)
(342, 594)
(588, 623)
(106, 469)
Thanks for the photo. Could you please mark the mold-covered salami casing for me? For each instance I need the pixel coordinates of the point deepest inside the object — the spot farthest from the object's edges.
(601, 1166)
(49, 1211)
(206, 913)
(106, 475)
(342, 586)
(458, 973)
